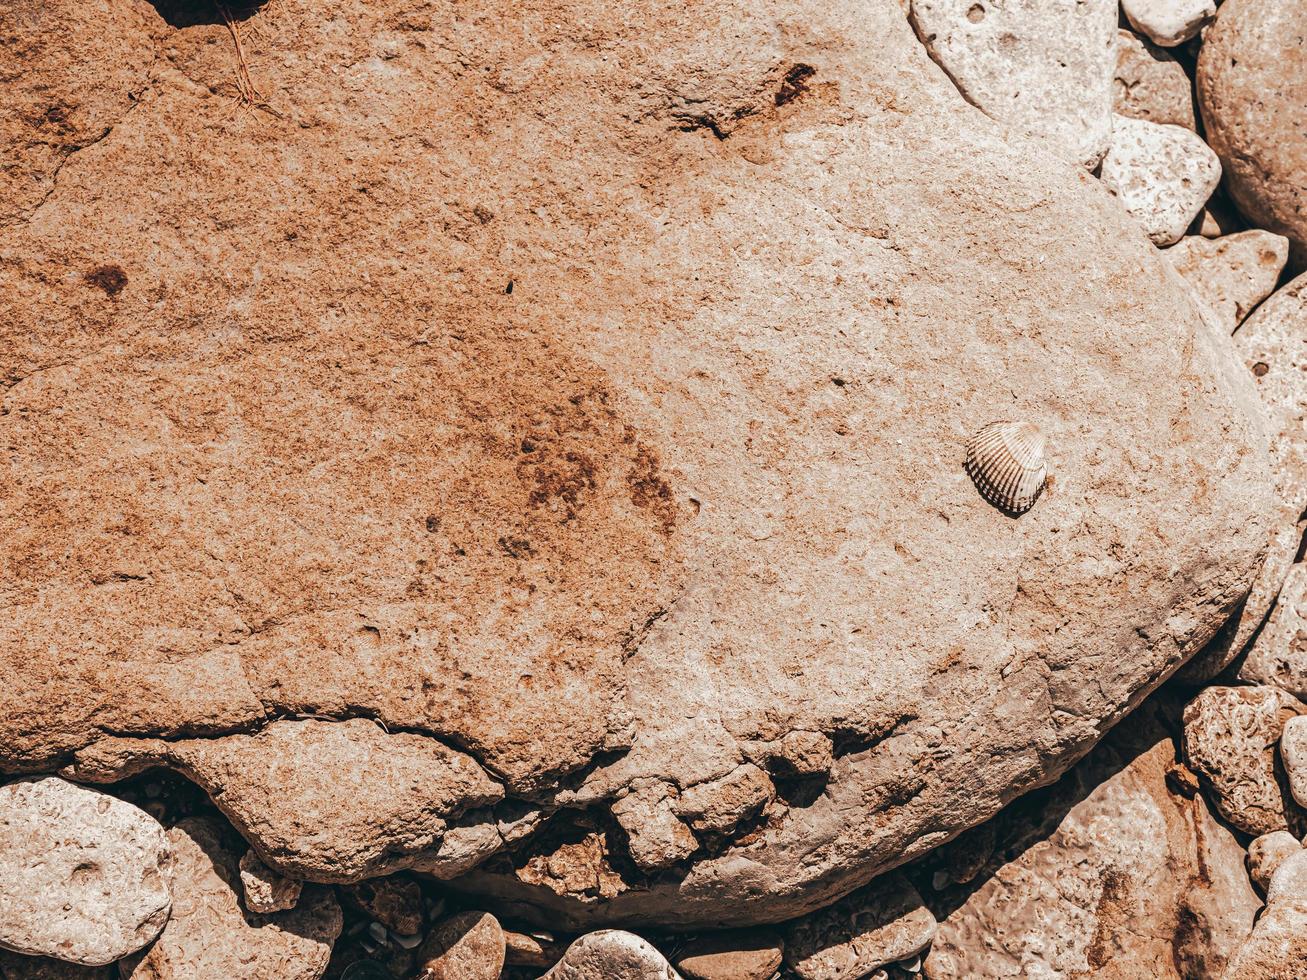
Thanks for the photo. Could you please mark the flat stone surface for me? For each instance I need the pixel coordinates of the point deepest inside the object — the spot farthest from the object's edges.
(467, 946)
(211, 935)
(1044, 68)
(1110, 872)
(611, 954)
(1252, 86)
(1168, 22)
(691, 486)
(742, 954)
(1150, 84)
(1279, 654)
(1231, 274)
(82, 874)
(1162, 174)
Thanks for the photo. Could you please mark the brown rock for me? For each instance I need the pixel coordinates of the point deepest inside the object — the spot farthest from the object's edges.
(1230, 740)
(1252, 85)
(645, 509)
(611, 954)
(1107, 873)
(467, 946)
(263, 889)
(719, 805)
(742, 954)
(1231, 274)
(879, 924)
(1279, 654)
(656, 836)
(1150, 84)
(395, 902)
(210, 935)
(538, 950)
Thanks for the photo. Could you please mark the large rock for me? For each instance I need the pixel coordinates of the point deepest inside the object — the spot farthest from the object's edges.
(82, 874)
(466, 946)
(1252, 86)
(1045, 68)
(611, 955)
(1150, 84)
(1231, 274)
(692, 485)
(1109, 873)
(1279, 654)
(210, 935)
(747, 954)
(1277, 948)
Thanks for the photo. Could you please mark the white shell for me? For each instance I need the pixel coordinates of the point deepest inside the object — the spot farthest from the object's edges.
(1006, 462)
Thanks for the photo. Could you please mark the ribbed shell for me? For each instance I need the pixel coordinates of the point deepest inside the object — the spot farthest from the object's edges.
(1006, 462)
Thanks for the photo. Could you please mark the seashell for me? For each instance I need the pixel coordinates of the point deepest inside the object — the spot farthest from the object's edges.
(1006, 462)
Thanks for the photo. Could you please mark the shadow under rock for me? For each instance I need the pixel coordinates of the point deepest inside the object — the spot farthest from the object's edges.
(190, 13)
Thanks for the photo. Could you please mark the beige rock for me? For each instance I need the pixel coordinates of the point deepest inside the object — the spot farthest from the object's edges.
(1266, 853)
(1293, 753)
(1277, 948)
(15, 966)
(1230, 739)
(81, 873)
(1168, 22)
(879, 924)
(611, 954)
(1279, 654)
(631, 518)
(210, 935)
(1162, 174)
(657, 836)
(264, 890)
(1150, 84)
(1231, 274)
(1252, 85)
(1043, 68)
(719, 805)
(1108, 873)
(798, 755)
(742, 954)
(466, 946)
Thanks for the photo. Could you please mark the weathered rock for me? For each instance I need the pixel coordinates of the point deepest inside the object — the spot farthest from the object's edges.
(883, 922)
(1252, 85)
(264, 890)
(14, 966)
(282, 789)
(1110, 872)
(1279, 654)
(538, 950)
(1231, 274)
(719, 805)
(1266, 852)
(210, 935)
(1150, 84)
(466, 946)
(742, 954)
(1230, 740)
(81, 873)
(657, 836)
(1043, 68)
(1277, 948)
(1293, 753)
(644, 512)
(1168, 22)
(395, 902)
(611, 955)
(1162, 174)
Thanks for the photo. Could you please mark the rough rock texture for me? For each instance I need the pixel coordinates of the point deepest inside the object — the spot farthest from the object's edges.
(1044, 68)
(467, 946)
(879, 924)
(611, 955)
(1279, 654)
(283, 788)
(280, 440)
(1252, 87)
(263, 889)
(538, 950)
(395, 902)
(1110, 873)
(1231, 274)
(81, 873)
(743, 954)
(1293, 754)
(1150, 84)
(1265, 853)
(1230, 739)
(15, 966)
(1168, 22)
(1162, 174)
(210, 935)
(1277, 948)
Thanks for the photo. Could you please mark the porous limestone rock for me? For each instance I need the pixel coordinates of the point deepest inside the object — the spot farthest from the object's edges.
(210, 935)
(1043, 67)
(263, 889)
(1230, 739)
(466, 946)
(1150, 84)
(82, 874)
(1265, 854)
(1277, 948)
(1231, 274)
(1168, 22)
(1162, 174)
(879, 924)
(611, 954)
(1293, 753)
(1252, 86)
(1279, 654)
(741, 954)
(1110, 872)
(585, 388)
